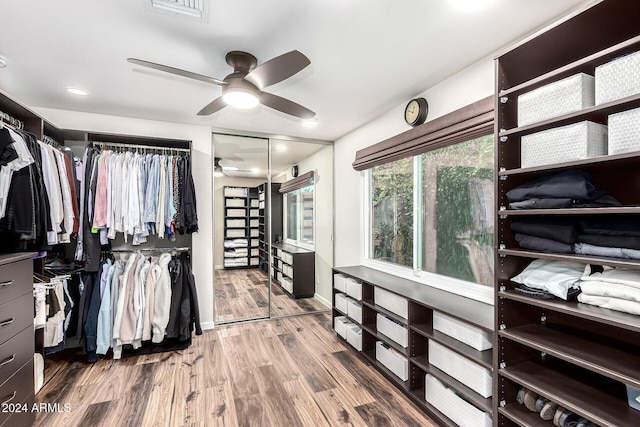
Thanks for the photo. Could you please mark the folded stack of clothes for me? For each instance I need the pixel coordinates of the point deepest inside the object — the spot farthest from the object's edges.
(567, 189)
(236, 243)
(552, 235)
(613, 288)
(546, 279)
(618, 238)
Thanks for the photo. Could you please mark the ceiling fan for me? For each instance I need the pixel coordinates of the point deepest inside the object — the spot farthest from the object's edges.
(243, 87)
(218, 168)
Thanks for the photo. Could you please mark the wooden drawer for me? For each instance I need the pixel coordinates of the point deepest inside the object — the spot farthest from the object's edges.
(15, 279)
(15, 353)
(15, 316)
(18, 389)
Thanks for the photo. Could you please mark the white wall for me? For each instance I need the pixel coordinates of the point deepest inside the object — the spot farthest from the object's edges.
(202, 166)
(218, 207)
(321, 162)
(469, 85)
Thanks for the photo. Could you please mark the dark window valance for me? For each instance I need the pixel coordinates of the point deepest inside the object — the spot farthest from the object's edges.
(297, 183)
(467, 123)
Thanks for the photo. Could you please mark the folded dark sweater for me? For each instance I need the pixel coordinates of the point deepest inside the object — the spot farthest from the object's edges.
(615, 227)
(557, 229)
(631, 242)
(572, 184)
(542, 245)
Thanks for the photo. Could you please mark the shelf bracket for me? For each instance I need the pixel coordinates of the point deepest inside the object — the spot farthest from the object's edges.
(503, 365)
(504, 99)
(503, 403)
(503, 326)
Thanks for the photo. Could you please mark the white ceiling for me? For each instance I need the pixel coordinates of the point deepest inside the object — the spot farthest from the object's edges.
(367, 56)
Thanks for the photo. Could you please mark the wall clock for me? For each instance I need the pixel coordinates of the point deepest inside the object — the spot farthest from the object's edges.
(294, 171)
(416, 111)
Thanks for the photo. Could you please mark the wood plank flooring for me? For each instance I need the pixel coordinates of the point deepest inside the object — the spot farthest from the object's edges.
(276, 373)
(244, 294)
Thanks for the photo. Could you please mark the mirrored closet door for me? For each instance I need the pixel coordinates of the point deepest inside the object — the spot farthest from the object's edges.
(241, 283)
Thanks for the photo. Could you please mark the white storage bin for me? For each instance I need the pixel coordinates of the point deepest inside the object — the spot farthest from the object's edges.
(354, 310)
(354, 288)
(254, 261)
(287, 284)
(255, 243)
(279, 277)
(254, 213)
(340, 282)
(235, 203)
(564, 144)
(462, 331)
(235, 192)
(392, 302)
(236, 223)
(236, 212)
(234, 233)
(392, 330)
(255, 252)
(624, 131)
(340, 325)
(392, 360)
(261, 205)
(341, 303)
(254, 223)
(261, 196)
(618, 78)
(453, 406)
(564, 96)
(464, 370)
(354, 336)
(254, 232)
(287, 257)
(255, 203)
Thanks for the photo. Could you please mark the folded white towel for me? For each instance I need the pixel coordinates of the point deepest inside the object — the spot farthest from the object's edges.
(613, 275)
(617, 304)
(615, 290)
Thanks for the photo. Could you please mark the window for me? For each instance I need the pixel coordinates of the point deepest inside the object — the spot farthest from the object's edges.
(457, 211)
(299, 207)
(451, 221)
(391, 231)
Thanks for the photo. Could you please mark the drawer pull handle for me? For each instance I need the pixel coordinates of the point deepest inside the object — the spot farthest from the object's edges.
(9, 283)
(13, 396)
(8, 360)
(7, 322)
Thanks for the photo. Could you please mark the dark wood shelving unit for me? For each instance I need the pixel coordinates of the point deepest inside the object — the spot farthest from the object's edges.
(606, 360)
(577, 355)
(585, 399)
(270, 219)
(303, 266)
(422, 302)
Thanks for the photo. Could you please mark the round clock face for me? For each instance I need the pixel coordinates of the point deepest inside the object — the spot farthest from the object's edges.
(416, 111)
(294, 171)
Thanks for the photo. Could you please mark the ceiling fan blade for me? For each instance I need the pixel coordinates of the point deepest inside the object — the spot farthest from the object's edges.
(278, 69)
(176, 71)
(215, 105)
(288, 107)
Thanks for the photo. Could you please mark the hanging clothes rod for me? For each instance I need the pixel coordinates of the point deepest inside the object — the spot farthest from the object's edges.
(138, 146)
(182, 249)
(5, 118)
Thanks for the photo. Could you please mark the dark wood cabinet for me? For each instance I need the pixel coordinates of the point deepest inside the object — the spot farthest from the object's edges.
(294, 269)
(270, 215)
(574, 354)
(16, 338)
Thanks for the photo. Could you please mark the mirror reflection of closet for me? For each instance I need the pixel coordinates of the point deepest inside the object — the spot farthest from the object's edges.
(302, 243)
(241, 286)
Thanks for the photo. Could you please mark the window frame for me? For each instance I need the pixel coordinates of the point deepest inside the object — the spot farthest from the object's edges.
(299, 209)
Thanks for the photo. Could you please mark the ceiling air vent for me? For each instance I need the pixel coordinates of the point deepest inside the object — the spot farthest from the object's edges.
(190, 8)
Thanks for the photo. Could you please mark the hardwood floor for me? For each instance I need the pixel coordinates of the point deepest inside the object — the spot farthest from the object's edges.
(275, 373)
(244, 294)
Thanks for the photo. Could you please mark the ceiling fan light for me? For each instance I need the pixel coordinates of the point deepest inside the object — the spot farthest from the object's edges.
(240, 98)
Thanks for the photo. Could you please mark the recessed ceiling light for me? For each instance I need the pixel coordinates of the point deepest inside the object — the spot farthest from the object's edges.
(311, 123)
(281, 147)
(255, 170)
(76, 91)
(3, 62)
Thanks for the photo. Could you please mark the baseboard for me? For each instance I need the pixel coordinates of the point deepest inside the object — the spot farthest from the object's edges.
(322, 300)
(207, 325)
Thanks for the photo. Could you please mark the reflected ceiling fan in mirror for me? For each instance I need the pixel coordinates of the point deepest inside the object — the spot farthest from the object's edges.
(243, 87)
